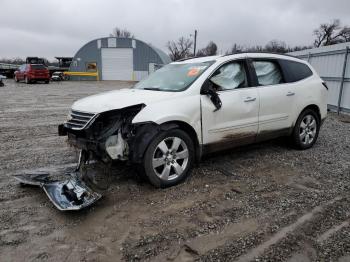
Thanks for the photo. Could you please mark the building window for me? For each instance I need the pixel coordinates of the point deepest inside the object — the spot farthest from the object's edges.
(112, 42)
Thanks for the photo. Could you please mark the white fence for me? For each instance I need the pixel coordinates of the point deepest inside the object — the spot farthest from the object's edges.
(333, 64)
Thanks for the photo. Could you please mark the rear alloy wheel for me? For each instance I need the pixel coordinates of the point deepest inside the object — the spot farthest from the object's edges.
(169, 158)
(306, 129)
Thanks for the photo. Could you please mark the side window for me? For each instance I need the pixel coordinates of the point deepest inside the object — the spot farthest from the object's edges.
(230, 76)
(295, 71)
(268, 73)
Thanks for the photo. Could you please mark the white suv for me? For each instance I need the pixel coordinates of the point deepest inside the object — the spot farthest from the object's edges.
(196, 106)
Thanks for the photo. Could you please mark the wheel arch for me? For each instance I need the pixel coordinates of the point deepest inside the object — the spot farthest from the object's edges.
(148, 131)
(313, 107)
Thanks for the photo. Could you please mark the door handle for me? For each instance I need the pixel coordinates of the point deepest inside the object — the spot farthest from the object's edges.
(290, 94)
(249, 99)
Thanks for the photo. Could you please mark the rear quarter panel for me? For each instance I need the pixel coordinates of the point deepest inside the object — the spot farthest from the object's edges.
(310, 91)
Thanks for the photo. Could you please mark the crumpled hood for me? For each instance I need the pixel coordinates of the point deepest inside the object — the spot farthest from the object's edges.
(118, 99)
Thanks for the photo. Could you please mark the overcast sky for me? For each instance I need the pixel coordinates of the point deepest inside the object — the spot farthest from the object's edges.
(49, 28)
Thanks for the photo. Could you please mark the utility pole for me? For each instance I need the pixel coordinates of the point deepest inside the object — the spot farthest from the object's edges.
(195, 42)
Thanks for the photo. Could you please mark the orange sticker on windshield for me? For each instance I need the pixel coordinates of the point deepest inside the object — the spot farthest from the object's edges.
(193, 72)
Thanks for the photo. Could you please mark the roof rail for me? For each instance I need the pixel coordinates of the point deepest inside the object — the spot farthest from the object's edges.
(260, 52)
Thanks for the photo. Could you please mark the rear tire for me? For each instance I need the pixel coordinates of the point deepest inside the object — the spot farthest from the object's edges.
(169, 158)
(306, 130)
(16, 79)
(47, 81)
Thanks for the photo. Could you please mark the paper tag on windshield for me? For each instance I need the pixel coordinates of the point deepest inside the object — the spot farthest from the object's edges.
(193, 72)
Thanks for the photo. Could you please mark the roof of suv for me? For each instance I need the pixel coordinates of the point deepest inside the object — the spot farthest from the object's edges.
(223, 58)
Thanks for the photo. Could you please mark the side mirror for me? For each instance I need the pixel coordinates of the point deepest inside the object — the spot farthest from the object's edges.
(209, 90)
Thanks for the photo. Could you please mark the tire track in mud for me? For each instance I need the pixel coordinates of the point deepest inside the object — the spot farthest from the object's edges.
(281, 234)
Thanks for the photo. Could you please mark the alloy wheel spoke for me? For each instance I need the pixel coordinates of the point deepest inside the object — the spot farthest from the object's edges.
(308, 119)
(302, 135)
(313, 124)
(176, 144)
(307, 139)
(313, 134)
(183, 154)
(303, 124)
(178, 168)
(163, 147)
(166, 172)
(158, 162)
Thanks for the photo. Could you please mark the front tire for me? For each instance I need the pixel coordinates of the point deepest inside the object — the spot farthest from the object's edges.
(16, 79)
(169, 158)
(306, 130)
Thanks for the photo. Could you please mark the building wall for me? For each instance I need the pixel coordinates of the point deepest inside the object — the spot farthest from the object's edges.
(329, 62)
(143, 55)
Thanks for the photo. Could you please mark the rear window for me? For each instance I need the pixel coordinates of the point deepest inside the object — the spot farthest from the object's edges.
(295, 71)
(37, 67)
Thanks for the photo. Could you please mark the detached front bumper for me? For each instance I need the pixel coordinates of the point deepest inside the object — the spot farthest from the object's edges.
(66, 195)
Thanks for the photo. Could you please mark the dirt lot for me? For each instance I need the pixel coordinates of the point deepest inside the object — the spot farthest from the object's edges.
(266, 202)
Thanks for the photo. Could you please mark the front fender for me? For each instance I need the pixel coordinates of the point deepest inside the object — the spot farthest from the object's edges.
(183, 109)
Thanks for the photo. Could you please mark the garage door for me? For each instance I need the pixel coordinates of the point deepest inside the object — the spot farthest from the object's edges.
(117, 63)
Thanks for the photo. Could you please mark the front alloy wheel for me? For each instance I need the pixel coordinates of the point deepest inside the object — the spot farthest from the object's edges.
(169, 158)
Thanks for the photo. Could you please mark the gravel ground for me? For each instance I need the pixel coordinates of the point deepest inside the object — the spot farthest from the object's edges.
(265, 202)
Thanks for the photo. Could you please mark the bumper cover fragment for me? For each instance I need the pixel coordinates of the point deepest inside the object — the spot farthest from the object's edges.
(69, 194)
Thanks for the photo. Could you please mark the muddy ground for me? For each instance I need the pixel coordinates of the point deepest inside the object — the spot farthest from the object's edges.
(265, 202)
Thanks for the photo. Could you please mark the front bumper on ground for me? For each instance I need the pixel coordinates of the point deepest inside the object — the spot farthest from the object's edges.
(69, 194)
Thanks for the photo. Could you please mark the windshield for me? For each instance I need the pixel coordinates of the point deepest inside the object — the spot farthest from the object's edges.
(174, 77)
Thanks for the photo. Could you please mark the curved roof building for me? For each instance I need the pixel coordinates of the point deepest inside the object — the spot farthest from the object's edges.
(116, 58)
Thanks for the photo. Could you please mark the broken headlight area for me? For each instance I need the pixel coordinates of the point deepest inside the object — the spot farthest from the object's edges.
(106, 135)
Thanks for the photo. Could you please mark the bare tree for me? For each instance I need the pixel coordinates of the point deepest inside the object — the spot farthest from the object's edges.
(117, 32)
(210, 49)
(276, 46)
(235, 49)
(180, 49)
(331, 33)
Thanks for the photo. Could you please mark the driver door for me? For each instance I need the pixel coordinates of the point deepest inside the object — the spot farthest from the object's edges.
(236, 122)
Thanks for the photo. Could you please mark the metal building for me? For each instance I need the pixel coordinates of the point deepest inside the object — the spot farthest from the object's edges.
(333, 64)
(113, 58)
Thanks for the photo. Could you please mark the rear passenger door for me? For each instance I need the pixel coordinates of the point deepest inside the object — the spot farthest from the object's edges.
(277, 99)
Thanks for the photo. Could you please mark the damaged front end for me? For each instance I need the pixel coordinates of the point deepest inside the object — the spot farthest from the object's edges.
(103, 135)
(101, 138)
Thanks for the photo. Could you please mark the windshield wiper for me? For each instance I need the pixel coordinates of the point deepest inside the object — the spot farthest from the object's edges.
(152, 88)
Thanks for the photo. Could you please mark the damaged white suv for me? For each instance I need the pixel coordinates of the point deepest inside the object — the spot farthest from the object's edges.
(188, 108)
